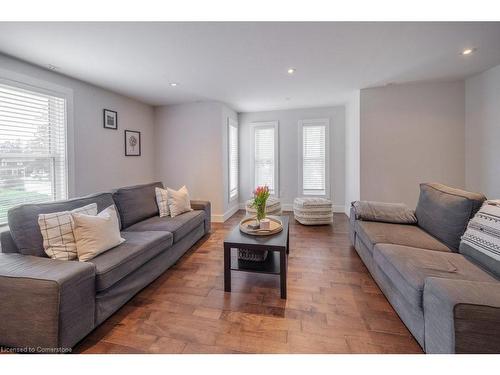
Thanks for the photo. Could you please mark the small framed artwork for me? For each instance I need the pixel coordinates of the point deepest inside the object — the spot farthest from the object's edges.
(110, 119)
(132, 143)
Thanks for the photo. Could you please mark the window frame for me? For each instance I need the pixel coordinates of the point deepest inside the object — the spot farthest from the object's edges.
(314, 122)
(267, 124)
(21, 81)
(233, 123)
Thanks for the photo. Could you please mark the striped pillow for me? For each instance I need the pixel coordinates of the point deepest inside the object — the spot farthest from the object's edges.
(57, 232)
(481, 240)
(162, 201)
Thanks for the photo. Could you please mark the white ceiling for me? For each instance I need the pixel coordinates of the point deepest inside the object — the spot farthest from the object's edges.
(245, 64)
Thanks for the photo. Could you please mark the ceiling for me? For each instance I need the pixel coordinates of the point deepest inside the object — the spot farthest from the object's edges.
(245, 64)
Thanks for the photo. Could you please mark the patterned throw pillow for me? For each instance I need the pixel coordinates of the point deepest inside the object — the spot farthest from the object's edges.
(57, 232)
(162, 201)
(481, 240)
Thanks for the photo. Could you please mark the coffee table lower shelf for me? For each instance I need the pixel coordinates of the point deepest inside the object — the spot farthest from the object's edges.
(270, 266)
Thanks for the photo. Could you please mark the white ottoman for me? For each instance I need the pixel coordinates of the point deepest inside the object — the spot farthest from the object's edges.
(313, 211)
(273, 207)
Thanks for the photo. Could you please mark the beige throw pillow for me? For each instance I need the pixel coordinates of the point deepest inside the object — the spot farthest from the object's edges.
(57, 232)
(178, 201)
(96, 234)
(162, 201)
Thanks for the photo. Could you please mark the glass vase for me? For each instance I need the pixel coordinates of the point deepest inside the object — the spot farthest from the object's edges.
(261, 212)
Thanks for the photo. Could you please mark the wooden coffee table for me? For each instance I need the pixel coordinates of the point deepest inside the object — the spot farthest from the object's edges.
(275, 264)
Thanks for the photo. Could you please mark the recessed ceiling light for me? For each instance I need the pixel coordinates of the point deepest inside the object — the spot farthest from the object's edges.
(468, 51)
(174, 84)
(291, 70)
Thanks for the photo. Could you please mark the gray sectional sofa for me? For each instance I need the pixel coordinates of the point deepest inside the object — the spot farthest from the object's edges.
(50, 305)
(448, 297)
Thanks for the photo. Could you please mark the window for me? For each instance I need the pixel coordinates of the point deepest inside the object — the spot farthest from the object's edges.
(32, 147)
(266, 155)
(314, 174)
(233, 158)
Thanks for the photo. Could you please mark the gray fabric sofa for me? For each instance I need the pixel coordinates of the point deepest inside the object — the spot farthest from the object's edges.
(50, 305)
(449, 301)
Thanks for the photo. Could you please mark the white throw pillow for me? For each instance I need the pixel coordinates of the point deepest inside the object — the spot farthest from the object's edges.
(96, 234)
(57, 232)
(162, 201)
(178, 201)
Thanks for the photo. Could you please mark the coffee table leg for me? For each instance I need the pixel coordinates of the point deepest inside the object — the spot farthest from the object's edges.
(287, 242)
(283, 269)
(227, 268)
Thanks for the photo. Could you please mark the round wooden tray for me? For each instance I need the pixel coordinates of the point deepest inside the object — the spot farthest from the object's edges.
(276, 226)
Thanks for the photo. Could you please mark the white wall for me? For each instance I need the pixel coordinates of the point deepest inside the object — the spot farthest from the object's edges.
(352, 167)
(289, 151)
(98, 156)
(482, 133)
(411, 133)
(191, 150)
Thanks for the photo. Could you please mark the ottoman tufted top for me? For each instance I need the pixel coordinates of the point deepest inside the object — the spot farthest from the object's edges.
(312, 202)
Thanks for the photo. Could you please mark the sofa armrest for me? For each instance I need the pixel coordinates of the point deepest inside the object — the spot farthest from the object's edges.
(45, 303)
(352, 224)
(205, 206)
(397, 213)
(7, 243)
(461, 316)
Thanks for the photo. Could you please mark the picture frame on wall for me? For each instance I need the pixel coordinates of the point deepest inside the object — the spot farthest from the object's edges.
(132, 143)
(110, 119)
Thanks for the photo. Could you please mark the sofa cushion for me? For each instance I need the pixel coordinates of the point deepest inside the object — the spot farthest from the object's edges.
(371, 233)
(136, 203)
(138, 248)
(444, 212)
(179, 226)
(408, 267)
(23, 220)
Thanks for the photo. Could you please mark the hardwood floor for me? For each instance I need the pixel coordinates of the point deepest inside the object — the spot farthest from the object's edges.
(333, 304)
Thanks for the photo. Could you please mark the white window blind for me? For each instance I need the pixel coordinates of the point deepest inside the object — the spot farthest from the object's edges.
(265, 157)
(314, 159)
(233, 159)
(32, 148)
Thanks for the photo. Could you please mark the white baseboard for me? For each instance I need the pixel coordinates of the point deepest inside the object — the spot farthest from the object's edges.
(338, 208)
(217, 218)
(289, 207)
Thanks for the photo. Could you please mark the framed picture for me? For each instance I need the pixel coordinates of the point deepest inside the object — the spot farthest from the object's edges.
(110, 119)
(132, 143)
